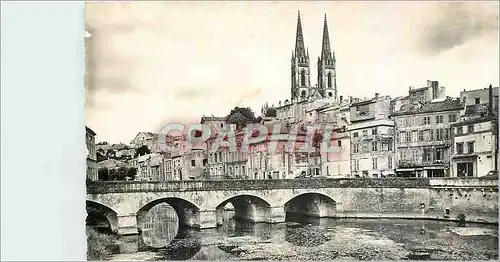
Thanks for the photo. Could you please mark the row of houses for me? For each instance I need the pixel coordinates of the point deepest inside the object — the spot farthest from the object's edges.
(423, 134)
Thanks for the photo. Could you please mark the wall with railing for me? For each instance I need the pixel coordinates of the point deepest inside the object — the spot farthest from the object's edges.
(270, 184)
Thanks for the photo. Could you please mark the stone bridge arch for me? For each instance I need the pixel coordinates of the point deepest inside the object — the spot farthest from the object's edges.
(311, 204)
(187, 212)
(246, 206)
(97, 212)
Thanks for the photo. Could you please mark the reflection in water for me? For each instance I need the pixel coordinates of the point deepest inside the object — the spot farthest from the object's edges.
(159, 226)
(320, 239)
(184, 246)
(236, 227)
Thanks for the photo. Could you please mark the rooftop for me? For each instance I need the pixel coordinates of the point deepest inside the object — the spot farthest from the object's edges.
(112, 163)
(90, 131)
(447, 104)
(212, 118)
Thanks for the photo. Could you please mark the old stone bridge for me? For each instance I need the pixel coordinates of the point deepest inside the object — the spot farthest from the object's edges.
(201, 203)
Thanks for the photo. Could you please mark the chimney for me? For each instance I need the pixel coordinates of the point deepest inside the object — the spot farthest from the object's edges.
(376, 95)
(490, 100)
(341, 99)
(279, 103)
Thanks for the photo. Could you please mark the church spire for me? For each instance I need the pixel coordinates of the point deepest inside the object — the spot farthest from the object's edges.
(326, 53)
(299, 39)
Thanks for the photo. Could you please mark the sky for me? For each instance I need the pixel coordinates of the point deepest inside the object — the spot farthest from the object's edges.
(154, 63)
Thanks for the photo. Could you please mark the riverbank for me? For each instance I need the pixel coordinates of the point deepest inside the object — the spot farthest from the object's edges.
(99, 245)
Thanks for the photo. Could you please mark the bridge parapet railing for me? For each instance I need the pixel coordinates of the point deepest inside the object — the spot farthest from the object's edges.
(268, 184)
(464, 182)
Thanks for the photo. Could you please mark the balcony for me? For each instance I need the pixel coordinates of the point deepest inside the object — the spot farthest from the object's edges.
(443, 143)
(418, 163)
(407, 163)
(435, 162)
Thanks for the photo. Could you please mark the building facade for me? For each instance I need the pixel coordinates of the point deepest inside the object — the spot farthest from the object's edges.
(475, 137)
(92, 169)
(474, 152)
(423, 138)
(146, 138)
(152, 167)
(371, 138)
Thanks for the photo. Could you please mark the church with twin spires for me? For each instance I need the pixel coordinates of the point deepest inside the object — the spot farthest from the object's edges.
(301, 90)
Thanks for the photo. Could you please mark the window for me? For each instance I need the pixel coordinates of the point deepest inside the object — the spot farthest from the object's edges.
(431, 134)
(356, 164)
(414, 136)
(465, 169)
(414, 156)
(355, 148)
(427, 120)
(477, 101)
(330, 79)
(310, 114)
(408, 136)
(365, 132)
(427, 154)
(439, 154)
(374, 146)
(452, 118)
(389, 146)
(389, 162)
(355, 134)
(446, 134)
(439, 134)
(460, 148)
(193, 163)
(470, 129)
(362, 110)
(339, 143)
(403, 136)
(374, 163)
(303, 80)
(421, 135)
(439, 119)
(374, 131)
(470, 147)
(460, 130)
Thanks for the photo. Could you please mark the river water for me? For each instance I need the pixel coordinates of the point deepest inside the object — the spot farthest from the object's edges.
(309, 239)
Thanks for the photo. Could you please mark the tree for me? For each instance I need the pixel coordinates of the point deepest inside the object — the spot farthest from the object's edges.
(142, 150)
(111, 153)
(102, 174)
(240, 116)
(121, 173)
(132, 173)
(101, 156)
(270, 112)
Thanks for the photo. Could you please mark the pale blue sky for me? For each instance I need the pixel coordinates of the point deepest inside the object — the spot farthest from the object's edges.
(158, 63)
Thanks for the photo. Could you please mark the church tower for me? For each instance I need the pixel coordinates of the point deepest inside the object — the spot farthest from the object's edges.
(301, 81)
(327, 80)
